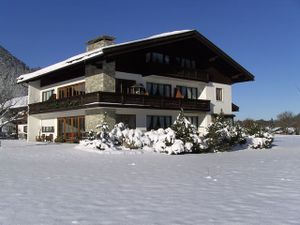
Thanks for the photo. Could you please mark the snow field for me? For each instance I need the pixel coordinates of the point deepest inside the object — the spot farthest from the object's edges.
(59, 184)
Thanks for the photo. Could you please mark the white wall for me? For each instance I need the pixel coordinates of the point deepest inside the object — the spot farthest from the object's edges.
(217, 106)
(50, 123)
(34, 127)
(33, 92)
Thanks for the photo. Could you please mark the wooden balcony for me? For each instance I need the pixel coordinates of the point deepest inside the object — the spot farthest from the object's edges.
(116, 100)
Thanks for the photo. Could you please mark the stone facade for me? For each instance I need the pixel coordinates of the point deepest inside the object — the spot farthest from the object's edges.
(95, 117)
(103, 80)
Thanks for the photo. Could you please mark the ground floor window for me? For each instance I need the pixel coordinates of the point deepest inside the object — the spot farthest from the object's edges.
(71, 129)
(48, 129)
(156, 122)
(193, 120)
(128, 120)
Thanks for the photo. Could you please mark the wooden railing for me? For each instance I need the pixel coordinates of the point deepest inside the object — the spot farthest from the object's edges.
(111, 99)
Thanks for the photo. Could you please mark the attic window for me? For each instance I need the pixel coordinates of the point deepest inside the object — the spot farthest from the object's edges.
(155, 57)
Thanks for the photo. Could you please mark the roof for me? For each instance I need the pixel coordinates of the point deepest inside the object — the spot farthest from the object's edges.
(125, 45)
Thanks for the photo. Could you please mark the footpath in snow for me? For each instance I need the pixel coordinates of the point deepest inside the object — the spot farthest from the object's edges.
(59, 184)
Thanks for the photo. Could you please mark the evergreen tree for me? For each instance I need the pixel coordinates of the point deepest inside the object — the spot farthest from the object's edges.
(187, 132)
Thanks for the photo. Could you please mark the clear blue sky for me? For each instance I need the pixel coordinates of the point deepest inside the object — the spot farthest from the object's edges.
(262, 35)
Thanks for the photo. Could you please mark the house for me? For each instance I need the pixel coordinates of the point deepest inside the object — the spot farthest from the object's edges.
(13, 123)
(143, 83)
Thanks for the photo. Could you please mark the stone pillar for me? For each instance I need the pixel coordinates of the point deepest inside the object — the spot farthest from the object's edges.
(94, 117)
(100, 79)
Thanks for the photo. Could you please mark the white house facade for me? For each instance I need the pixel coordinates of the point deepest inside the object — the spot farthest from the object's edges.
(143, 83)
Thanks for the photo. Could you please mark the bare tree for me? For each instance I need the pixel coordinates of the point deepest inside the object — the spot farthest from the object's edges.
(286, 119)
(8, 91)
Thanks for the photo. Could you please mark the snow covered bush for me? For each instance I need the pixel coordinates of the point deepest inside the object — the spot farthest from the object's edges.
(222, 135)
(258, 137)
(188, 134)
(100, 140)
(262, 141)
(164, 141)
(181, 137)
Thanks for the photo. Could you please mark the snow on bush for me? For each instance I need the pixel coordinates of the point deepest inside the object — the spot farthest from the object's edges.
(260, 141)
(182, 137)
(222, 135)
(188, 134)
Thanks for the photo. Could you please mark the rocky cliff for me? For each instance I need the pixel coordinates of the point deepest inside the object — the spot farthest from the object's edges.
(10, 68)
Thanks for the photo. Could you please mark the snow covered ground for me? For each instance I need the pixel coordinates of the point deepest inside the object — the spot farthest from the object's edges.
(58, 184)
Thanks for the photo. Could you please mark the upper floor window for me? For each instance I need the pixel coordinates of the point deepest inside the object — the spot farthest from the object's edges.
(46, 95)
(159, 89)
(71, 90)
(188, 92)
(219, 94)
(155, 57)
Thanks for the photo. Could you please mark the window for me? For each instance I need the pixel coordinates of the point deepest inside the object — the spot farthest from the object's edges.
(219, 94)
(46, 95)
(159, 89)
(193, 120)
(48, 129)
(25, 129)
(155, 57)
(72, 90)
(188, 92)
(156, 122)
(71, 129)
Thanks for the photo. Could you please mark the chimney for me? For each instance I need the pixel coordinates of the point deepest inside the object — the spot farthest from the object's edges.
(100, 42)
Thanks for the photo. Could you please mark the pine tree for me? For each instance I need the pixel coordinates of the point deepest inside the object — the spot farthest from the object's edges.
(187, 132)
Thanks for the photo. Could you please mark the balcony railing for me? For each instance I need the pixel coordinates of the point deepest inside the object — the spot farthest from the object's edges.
(111, 99)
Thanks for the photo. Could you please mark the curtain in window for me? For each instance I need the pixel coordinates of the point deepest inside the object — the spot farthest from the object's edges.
(168, 121)
(167, 91)
(162, 122)
(194, 93)
(161, 89)
(155, 89)
(189, 93)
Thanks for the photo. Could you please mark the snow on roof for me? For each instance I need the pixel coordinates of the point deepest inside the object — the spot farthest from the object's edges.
(87, 55)
(17, 102)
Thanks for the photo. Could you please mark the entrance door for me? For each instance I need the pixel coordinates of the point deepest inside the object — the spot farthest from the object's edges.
(71, 129)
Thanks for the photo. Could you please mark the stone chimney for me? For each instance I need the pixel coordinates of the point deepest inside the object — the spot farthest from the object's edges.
(100, 42)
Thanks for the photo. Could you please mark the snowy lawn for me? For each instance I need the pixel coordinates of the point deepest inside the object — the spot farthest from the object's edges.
(58, 184)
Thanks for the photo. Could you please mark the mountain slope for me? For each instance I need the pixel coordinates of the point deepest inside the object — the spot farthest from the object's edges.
(10, 69)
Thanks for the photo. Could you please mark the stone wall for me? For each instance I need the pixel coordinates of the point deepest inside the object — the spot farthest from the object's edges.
(102, 79)
(95, 117)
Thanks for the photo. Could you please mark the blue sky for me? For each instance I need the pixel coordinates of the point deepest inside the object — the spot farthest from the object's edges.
(262, 35)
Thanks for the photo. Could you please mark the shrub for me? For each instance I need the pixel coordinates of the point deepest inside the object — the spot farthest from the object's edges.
(188, 134)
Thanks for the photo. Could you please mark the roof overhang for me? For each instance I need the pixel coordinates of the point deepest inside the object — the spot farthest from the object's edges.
(241, 75)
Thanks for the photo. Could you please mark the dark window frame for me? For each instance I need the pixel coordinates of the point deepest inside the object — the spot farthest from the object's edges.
(184, 92)
(154, 122)
(219, 94)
